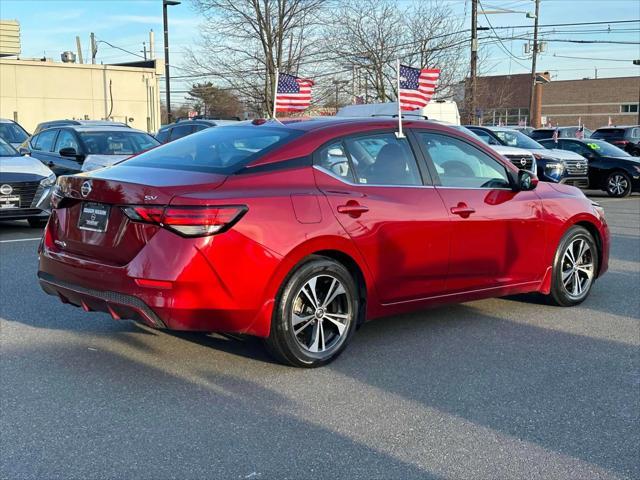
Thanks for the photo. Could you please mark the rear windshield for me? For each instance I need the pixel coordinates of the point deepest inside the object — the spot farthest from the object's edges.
(215, 150)
(12, 133)
(538, 134)
(606, 149)
(120, 142)
(609, 133)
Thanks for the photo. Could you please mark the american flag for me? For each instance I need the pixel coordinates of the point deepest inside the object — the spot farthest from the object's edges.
(556, 134)
(417, 86)
(294, 94)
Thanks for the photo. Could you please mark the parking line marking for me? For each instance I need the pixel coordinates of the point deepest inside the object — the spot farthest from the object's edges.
(20, 240)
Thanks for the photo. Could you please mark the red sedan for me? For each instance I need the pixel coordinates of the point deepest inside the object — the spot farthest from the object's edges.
(298, 233)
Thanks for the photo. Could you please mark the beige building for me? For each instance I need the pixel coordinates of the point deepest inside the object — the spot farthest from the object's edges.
(33, 91)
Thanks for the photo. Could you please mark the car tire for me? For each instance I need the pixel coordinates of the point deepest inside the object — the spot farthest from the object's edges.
(37, 222)
(574, 267)
(314, 315)
(618, 184)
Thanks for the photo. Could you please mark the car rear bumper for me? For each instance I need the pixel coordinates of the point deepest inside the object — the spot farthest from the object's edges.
(118, 305)
(195, 287)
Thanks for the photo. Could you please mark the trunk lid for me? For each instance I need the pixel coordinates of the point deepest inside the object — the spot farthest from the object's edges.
(113, 188)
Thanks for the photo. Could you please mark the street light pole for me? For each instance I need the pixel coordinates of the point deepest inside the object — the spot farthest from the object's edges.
(474, 63)
(533, 116)
(165, 4)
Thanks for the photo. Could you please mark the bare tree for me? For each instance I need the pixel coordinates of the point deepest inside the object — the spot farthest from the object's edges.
(243, 41)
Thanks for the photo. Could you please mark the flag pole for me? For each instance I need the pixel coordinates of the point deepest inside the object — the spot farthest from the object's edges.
(275, 94)
(399, 134)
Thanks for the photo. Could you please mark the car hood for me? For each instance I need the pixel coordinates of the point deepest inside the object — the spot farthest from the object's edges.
(23, 164)
(93, 162)
(557, 153)
(505, 150)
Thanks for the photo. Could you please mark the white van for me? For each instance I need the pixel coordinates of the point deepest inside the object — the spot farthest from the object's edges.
(442, 110)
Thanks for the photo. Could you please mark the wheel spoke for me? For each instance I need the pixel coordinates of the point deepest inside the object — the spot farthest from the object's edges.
(566, 276)
(339, 325)
(311, 298)
(333, 293)
(569, 254)
(315, 338)
(321, 327)
(576, 284)
(582, 249)
(297, 331)
(586, 269)
(298, 319)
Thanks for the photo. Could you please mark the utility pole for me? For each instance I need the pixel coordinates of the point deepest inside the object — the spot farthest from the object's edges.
(79, 47)
(474, 63)
(94, 48)
(167, 86)
(534, 115)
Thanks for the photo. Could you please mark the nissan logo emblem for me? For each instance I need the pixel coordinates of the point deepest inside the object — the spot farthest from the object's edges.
(86, 188)
(6, 189)
(523, 161)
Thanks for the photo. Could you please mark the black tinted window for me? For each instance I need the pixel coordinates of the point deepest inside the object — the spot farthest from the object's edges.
(215, 150)
(162, 136)
(540, 134)
(180, 131)
(609, 133)
(44, 140)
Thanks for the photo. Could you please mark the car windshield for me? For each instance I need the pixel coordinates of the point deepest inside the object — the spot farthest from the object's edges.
(513, 138)
(120, 142)
(609, 133)
(215, 150)
(606, 149)
(7, 150)
(12, 133)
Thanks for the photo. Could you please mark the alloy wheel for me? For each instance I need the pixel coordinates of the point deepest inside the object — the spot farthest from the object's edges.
(321, 314)
(618, 184)
(577, 268)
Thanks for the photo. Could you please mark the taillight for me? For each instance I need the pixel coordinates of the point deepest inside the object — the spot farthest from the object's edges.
(620, 142)
(189, 221)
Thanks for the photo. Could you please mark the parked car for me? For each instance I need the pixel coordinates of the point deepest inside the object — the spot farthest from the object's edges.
(625, 137)
(12, 133)
(522, 129)
(87, 123)
(610, 168)
(72, 149)
(25, 187)
(184, 127)
(299, 232)
(563, 132)
(558, 166)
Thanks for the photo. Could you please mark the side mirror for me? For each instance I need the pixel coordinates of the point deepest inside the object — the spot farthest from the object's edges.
(71, 152)
(527, 180)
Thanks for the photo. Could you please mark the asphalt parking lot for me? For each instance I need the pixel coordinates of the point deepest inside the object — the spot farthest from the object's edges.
(494, 389)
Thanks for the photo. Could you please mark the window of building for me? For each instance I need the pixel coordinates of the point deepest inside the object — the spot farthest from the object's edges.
(629, 108)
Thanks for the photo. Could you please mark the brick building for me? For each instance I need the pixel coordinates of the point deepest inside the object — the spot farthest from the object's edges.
(505, 98)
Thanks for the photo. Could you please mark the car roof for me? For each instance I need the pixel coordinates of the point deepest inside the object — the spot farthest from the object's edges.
(309, 124)
(101, 128)
(616, 127)
(6, 120)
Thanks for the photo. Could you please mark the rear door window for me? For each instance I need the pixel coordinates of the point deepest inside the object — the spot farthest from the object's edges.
(576, 147)
(382, 159)
(333, 159)
(45, 140)
(180, 131)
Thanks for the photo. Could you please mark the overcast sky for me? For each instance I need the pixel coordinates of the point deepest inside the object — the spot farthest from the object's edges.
(49, 27)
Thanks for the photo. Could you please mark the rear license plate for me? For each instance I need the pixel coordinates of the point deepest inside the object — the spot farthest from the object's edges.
(94, 217)
(9, 201)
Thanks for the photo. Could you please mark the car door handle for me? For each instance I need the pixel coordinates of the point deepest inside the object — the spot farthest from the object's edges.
(463, 210)
(353, 209)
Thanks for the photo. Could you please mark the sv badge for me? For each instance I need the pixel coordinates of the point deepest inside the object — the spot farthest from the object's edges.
(150, 197)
